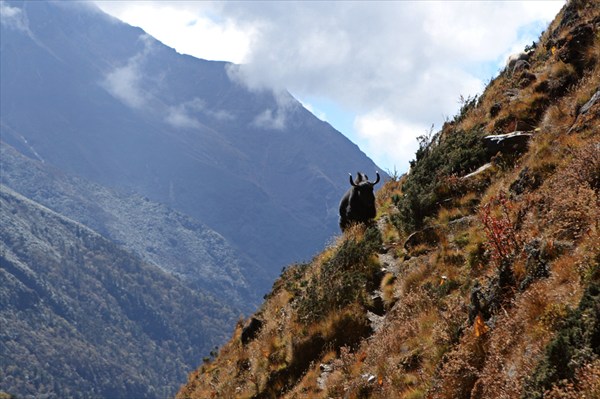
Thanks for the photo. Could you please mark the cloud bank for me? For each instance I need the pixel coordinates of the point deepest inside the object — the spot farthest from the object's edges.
(400, 66)
(397, 67)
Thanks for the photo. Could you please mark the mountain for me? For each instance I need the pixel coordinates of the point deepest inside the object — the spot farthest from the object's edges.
(148, 199)
(172, 241)
(481, 275)
(82, 317)
(104, 101)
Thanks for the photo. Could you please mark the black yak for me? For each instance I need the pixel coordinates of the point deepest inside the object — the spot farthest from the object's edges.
(358, 204)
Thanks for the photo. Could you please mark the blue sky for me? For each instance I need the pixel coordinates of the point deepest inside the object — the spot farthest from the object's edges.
(379, 72)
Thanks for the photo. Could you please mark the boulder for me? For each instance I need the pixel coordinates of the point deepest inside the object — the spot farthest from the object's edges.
(578, 41)
(520, 65)
(509, 143)
(587, 115)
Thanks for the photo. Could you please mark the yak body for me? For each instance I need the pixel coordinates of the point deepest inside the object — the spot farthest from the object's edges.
(358, 204)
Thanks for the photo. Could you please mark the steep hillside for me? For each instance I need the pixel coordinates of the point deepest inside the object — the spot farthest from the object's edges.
(481, 275)
(173, 241)
(81, 317)
(103, 100)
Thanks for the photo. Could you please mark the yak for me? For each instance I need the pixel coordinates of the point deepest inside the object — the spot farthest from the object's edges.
(358, 204)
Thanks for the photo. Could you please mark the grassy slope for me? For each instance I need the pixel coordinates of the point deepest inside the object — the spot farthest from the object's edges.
(497, 297)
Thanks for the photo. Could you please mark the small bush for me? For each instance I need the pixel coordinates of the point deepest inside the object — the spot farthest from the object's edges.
(503, 241)
(576, 343)
(343, 279)
(437, 158)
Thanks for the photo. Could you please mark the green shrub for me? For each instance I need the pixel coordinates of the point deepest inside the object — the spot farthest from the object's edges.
(437, 158)
(575, 344)
(346, 278)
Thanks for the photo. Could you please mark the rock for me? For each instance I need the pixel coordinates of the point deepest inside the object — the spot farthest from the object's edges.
(509, 143)
(251, 330)
(511, 93)
(588, 114)
(326, 370)
(578, 41)
(520, 65)
(513, 59)
(478, 171)
(375, 321)
(377, 307)
(369, 377)
(527, 181)
(586, 107)
(457, 225)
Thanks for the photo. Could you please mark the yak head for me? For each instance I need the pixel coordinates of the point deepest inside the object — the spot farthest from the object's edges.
(364, 188)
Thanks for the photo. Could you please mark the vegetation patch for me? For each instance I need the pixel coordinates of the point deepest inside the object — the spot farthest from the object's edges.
(437, 158)
(576, 344)
(345, 278)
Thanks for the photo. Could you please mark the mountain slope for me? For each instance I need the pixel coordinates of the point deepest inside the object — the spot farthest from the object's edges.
(115, 106)
(173, 241)
(80, 316)
(481, 275)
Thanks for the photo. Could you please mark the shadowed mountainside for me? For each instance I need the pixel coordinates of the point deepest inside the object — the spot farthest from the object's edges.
(172, 241)
(116, 107)
(81, 316)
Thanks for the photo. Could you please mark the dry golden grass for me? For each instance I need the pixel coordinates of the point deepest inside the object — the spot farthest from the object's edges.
(426, 347)
(388, 289)
(446, 215)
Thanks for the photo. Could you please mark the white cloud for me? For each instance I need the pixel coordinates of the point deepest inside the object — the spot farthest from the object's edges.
(400, 66)
(178, 116)
(123, 83)
(186, 26)
(126, 82)
(184, 115)
(388, 139)
(13, 17)
(276, 118)
(406, 62)
(270, 119)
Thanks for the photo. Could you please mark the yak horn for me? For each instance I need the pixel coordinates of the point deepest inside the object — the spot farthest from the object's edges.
(352, 180)
(376, 180)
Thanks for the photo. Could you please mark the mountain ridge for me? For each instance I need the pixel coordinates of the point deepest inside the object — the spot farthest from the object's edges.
(136, 115)
(168, 236)
(56, 273)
